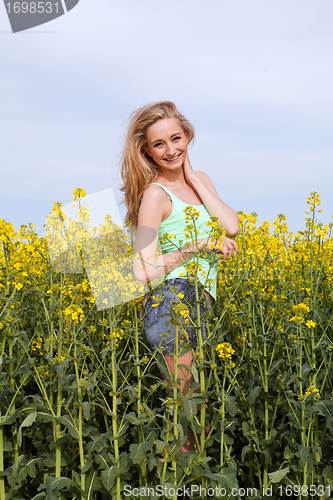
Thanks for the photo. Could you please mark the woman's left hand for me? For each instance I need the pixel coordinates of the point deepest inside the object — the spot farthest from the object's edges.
(188, 170)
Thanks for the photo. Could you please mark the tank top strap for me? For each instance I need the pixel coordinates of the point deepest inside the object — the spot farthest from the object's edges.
(169, 194)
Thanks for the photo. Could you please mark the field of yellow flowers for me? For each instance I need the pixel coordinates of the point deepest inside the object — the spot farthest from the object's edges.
(85, 413)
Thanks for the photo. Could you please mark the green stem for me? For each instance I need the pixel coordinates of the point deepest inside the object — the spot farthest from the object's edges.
(58, 432)
(2, 479)
(114, 406)
(175, 406)
(223, 420)
(139, 390)
(12, 386)
(81, 450)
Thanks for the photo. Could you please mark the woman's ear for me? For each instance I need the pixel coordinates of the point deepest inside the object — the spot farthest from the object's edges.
(145, 149)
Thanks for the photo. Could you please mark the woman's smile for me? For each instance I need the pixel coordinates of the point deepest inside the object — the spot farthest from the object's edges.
(173, 159)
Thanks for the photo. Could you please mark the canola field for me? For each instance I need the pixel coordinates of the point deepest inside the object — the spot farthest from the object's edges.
(86, 414)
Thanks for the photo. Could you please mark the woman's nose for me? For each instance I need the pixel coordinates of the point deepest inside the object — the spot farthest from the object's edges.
(170, 149)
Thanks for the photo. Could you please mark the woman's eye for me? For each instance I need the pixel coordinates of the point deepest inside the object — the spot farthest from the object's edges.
(157, 144)
(176, 138)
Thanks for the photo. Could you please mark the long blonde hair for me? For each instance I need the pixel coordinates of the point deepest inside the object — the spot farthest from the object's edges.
(138, 170)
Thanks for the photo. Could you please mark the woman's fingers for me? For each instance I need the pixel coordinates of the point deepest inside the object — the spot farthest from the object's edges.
(228, 247)
(225, 247)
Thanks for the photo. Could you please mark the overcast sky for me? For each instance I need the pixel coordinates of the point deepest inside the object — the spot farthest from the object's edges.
(253, 76)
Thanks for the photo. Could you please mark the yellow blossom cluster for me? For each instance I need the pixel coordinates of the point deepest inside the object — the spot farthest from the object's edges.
(116, 335)
(75, 312)
(79, 193)
(278, 270)
(298, 311)
(313, 390)
(225, 350)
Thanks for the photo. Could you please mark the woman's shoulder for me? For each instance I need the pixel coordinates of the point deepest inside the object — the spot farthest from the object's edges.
(156, 191)
(153, 206)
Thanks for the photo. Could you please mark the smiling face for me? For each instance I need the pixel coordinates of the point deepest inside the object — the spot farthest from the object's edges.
(167, 143)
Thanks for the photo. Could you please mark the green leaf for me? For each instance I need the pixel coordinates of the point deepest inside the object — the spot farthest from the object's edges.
(86, 409)
(39, 496)
(175, 446)
(103, 460)
(276, 476)
(93, 484)
(227, 481)
(245, 450)
(325, 408)
(275, 366)
(7, 445)
(230, 405)
(328, 473)
(49, 462)
(294, 421)
(288, 453)
(56, 483)
(160, 445)
(194, 371)
(47, 417)
(132, 417)
(87, 465)
(303, 455)
(138, 451)
(31, 466)
(67, 422)
(100, 442)
(109, 475)
(189, 408)
(254, 393)
(29, 420)
(7, 421)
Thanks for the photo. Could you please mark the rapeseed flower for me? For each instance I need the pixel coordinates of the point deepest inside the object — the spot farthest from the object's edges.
(79, 193)
(312, 390)
(311, 324)
(75, 312)
(225, 350)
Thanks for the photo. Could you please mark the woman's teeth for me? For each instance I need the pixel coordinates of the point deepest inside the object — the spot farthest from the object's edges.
(173, 159)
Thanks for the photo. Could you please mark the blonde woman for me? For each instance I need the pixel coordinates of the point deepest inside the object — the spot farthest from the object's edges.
(159, 183)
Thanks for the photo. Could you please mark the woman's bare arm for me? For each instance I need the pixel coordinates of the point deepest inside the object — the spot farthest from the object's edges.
(147, 266)
(227, 217)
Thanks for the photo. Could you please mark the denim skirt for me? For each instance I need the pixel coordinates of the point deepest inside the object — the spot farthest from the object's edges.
(160, 328)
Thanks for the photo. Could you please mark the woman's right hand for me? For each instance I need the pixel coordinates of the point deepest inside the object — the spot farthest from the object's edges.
(225, 247)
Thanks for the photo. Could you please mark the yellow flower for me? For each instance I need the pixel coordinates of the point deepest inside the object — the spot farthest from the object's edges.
(18, 286)
(311, 324)
(79, 193)
(225, 350)
(158, 300)
(75, 312)
(183, 310)
(312, 390)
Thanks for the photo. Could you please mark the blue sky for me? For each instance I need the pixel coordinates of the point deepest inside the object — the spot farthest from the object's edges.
(254, 77)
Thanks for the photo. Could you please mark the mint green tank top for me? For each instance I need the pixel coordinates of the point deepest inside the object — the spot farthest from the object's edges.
(175, 224)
